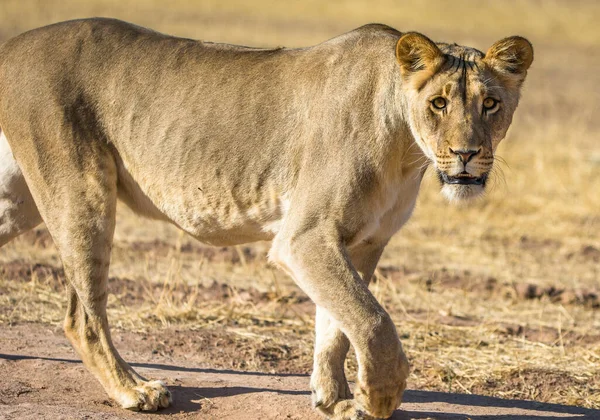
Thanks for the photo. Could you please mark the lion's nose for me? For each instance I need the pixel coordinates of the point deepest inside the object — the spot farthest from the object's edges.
(465, 155)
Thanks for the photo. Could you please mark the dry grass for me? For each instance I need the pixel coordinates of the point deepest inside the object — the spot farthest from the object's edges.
(459, 282)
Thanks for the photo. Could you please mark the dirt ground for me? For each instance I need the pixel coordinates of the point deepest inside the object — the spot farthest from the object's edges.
(497, 303)
(43, 378)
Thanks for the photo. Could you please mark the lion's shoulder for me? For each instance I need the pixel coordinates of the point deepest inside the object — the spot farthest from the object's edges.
(377, 29)
(370, 31)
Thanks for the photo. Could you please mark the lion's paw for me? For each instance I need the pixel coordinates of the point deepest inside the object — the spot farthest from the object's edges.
(328, 388)
(381, 403)
(149, 396)
(347, 410)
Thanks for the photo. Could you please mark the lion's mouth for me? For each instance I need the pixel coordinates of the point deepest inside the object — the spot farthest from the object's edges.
(464, 178)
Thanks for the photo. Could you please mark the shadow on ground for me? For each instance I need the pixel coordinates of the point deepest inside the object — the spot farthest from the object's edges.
(538, 410)
(417, 404)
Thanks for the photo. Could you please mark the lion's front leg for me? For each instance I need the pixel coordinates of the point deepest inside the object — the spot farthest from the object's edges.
(328, 379)
(322, 268)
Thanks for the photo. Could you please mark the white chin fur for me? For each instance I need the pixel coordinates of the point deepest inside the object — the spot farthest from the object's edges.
(456, 193)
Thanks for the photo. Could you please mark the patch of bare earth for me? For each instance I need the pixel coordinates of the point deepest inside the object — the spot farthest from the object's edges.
(219, 326)
(43, 378)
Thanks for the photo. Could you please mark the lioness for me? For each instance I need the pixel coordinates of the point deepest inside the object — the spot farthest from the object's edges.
(320, 149)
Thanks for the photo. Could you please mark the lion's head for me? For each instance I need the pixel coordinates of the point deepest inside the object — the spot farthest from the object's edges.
(460, 103)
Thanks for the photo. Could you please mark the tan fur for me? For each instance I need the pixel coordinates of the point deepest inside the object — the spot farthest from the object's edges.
(320, 149)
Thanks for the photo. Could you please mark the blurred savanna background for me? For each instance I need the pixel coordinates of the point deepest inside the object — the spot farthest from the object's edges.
(501, 297)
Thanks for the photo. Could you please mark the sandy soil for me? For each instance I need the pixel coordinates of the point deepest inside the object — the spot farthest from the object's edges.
(43, 378)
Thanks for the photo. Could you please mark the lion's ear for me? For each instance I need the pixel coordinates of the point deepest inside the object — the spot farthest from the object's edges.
(419, 58)
(510, 58)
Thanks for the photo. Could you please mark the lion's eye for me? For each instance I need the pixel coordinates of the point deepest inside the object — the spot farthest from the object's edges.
(489, 104)
(439, 103)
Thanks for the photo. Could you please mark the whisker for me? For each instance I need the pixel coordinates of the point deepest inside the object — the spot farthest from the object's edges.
(498, 170)
(501, 160)
(423, 158)
(411, 145)
(497, 177)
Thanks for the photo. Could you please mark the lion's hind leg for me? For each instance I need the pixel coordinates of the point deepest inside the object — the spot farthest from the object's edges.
(18, 212)
(85, 246)
(78, 203)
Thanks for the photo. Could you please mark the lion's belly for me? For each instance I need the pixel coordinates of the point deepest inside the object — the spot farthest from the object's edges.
(228, 222)
(215, 214)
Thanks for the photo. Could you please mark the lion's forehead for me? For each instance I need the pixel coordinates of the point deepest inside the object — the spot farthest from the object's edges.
(461, 53)
(464, 74)
(475, 87)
